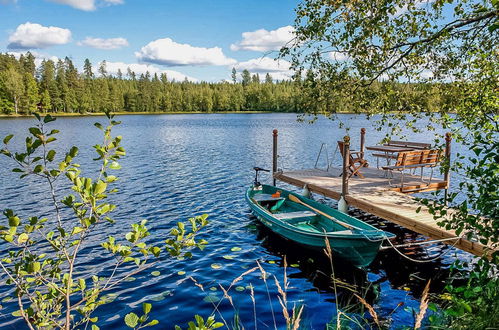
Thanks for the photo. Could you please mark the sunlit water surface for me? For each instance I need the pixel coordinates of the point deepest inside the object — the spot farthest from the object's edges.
(178, 166)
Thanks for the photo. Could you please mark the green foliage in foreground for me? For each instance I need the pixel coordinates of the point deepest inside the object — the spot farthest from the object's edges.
(474, 304)
(43, 264)
(349, 46)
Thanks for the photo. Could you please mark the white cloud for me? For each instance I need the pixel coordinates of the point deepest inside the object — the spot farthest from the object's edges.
(32, 35)
(278, 69)
(400, 10)
(112, 67)
(168, 52)
(107, 44)
(337, 56)
(87, 5)
(39, 57)
(263, 40)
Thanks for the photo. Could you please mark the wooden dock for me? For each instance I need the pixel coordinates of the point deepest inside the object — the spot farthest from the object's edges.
(374, 195)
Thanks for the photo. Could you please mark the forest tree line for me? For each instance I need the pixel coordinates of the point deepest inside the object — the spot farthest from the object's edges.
(58, 87)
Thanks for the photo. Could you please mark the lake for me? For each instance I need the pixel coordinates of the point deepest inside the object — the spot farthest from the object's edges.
(178, 166)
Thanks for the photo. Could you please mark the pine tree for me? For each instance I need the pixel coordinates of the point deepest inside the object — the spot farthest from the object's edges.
(30, 97)
(28, 63)
(268, 78)
(234, 75)
(255, 79)
(246, 75)
(45, 102)
(87, 69)
(103, 69)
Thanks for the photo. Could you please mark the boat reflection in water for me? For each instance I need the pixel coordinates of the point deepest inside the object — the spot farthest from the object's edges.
(389, 271)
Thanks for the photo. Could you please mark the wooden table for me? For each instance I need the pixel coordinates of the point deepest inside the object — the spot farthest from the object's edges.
(389, 149)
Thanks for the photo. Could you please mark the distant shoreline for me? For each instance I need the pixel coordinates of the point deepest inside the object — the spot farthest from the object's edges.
(121, 113)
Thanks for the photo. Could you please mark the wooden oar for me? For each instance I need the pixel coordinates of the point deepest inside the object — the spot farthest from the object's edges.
(344, 224)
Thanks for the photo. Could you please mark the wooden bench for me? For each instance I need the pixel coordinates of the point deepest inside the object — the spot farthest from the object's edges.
(411, 160)
(402, 144)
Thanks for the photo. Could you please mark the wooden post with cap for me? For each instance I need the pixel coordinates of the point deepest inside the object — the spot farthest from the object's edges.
(346, 161)
(342, 203)
(448, 139)
(274, 154)
(362, 141)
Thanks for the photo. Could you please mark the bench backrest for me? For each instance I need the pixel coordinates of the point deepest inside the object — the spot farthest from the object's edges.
(431, 156)
(408, 144)
(419, 157)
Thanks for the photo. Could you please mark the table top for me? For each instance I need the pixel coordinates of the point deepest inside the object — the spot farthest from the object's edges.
(389, 148)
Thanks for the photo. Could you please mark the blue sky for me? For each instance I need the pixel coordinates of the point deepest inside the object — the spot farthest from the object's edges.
(200, 39)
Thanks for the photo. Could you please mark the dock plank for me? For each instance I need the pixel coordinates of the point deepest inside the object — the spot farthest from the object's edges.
(374, 195)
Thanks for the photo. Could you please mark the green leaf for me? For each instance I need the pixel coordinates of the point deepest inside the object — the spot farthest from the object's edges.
(100, 187)
(146, 307)
(7, 138)
(38, 168)
(131, 320)
(35, 131)
(153, 322)
(83, 285)
(23, 238)
(73, 152)
(115, 166)
(156, 251)
(48, 119)
(94, 327)
(51, 155)
(16, 313)
(111, 178)
(36, 267)
(14, 221)
(77, 230)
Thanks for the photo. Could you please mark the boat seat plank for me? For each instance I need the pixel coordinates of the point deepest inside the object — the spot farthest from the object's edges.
(292, 215)
(266, 198)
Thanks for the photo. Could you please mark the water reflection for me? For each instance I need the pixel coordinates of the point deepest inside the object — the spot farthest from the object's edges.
(183, 165)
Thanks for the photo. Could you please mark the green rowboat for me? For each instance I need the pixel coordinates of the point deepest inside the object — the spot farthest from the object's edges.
(310, 223)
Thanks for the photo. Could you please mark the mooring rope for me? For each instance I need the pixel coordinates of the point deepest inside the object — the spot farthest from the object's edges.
(429, 260)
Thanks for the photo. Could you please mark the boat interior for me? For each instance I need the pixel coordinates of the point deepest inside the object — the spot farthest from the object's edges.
(297, 215)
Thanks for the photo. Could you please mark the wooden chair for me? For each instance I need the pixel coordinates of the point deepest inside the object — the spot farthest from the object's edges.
(355, 157)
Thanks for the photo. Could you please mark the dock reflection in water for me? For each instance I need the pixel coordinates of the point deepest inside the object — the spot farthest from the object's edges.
(179, 166)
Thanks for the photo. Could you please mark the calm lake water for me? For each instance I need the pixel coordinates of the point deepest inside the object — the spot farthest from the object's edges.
(179, 166)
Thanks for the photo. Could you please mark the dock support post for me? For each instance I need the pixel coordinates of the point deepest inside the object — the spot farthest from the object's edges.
(342, 203)
(448, 138)
(362, 141)
(274, 155)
